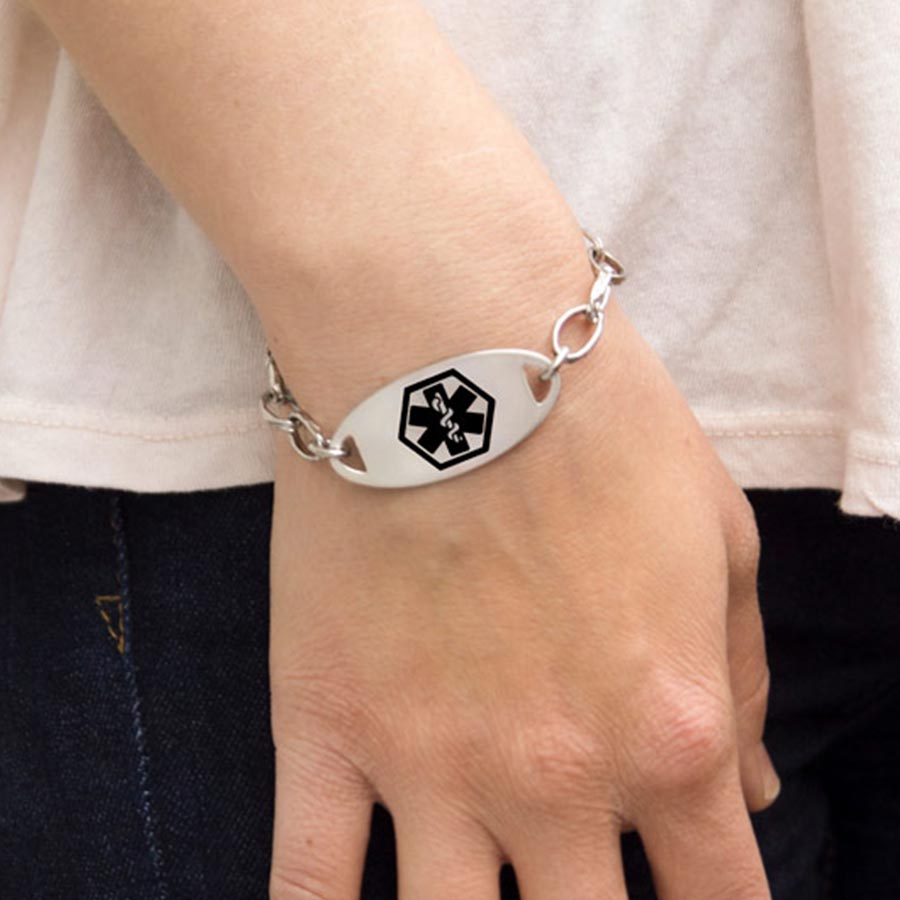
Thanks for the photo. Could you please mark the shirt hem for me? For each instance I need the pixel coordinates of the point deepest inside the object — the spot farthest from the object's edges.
(778, 450)
(205, 457)
(760, 450)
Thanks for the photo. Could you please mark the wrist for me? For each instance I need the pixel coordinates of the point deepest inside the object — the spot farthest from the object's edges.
(366, 324)
(446, 408)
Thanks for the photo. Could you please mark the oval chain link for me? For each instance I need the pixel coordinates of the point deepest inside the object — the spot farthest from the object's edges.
(607, 272)
(309, 440)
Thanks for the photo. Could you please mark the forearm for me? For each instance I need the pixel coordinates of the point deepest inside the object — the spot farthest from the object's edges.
(352, 172)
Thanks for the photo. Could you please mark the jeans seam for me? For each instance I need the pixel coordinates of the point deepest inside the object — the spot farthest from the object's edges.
(145, 805)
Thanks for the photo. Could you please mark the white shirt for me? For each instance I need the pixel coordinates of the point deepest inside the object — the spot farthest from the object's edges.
(742, 159)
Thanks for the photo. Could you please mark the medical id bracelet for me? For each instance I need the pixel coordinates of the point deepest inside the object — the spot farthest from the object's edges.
(449, 417)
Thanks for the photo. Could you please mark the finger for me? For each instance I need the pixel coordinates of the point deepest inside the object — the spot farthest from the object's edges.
(748, 669)
(554, 864)
(749, 676)
(444, 857)
(701, 845)
(323, 810)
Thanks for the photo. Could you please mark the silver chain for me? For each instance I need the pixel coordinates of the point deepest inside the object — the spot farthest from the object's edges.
(280, 409)
(307, 437)
(607, 272)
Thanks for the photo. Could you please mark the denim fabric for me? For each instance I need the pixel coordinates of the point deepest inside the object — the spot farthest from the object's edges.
(136, 758)
(135, 752)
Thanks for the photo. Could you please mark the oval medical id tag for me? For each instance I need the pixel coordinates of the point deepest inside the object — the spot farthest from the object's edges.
(444, 419)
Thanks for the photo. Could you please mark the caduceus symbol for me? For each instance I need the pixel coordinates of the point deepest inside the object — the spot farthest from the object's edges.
(437, 403)
(446, 419)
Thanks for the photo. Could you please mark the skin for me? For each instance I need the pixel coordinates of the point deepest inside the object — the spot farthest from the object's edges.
(519, 663)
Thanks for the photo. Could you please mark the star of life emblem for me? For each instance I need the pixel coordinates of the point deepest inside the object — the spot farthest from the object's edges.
(446, 419)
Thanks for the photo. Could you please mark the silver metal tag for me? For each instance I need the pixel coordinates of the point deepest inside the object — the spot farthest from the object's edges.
(444, 420)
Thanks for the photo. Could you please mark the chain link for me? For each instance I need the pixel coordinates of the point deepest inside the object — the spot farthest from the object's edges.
(607, 272)
(308, 438)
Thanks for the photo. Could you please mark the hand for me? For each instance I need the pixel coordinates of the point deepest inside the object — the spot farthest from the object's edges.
(524, 661)
(520, 662)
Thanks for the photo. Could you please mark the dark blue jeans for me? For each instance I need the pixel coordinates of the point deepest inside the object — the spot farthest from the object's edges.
(135, 752)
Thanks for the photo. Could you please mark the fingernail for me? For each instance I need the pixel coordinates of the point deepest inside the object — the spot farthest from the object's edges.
(770, 779)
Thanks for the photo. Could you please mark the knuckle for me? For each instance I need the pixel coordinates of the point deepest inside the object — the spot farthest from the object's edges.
(686, 737)
(441, 744)
(313, 761)
(552, 762)
(307, 703)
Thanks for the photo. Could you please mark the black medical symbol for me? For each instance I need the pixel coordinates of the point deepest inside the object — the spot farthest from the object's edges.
(446, 419)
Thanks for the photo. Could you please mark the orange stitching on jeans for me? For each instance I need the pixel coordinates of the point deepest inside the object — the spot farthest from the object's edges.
(116, 631)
